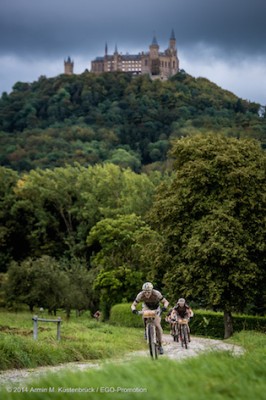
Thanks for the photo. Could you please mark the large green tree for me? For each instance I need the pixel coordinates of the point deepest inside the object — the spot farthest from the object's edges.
(39, 282)
(12, 228)
(63, 204)
(49, 283)
(118, 249)
(212, 219)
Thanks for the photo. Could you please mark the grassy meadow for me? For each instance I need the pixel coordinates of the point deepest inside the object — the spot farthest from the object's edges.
(82, 338)
(210, 376)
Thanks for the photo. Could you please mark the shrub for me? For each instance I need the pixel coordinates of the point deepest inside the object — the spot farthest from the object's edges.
(204, 323)
(121, 315)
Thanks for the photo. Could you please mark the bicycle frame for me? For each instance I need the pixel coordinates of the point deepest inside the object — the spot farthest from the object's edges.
(149, 316)
(183, 332)
(175, 331)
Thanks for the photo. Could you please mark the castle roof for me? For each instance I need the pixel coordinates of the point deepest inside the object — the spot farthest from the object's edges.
(154, 41)
(68, 60)
(126, 57)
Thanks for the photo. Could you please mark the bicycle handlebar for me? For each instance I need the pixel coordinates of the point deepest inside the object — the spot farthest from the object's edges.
(158, 312)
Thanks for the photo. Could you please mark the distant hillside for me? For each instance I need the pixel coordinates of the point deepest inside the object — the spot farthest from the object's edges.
(115, 117)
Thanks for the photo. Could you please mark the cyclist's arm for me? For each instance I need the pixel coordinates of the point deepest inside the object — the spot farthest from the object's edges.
(134, 305)
(136, 301)
(173, 314)
(189, 313)
(165, 302)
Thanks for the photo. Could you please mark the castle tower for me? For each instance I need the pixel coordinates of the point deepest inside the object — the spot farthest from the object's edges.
(115, 60)
(154, 48)
(154, 58)
(172, 41)
(69, 66)
(174, 61)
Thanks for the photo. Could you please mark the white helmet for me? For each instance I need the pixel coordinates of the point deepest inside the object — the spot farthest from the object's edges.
(147, 287)
(181, 301)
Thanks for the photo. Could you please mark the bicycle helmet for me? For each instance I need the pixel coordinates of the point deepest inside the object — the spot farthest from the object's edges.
(147, 287)
(181, 301)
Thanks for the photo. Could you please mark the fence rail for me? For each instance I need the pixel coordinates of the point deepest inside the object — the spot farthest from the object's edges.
(36, 319)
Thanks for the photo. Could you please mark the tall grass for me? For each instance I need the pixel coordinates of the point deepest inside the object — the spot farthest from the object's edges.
(81, 339)
(212, 376)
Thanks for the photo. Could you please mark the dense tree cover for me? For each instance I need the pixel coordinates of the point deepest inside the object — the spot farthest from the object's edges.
(52, 211)
(11, 230)
(202, 237)
(119, 259)
(68, 207)
(55, 229)
(212, 221)
(117, 117)
(48, 283)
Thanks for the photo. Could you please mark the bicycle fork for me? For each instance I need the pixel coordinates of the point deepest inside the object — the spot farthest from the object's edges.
(151, 328)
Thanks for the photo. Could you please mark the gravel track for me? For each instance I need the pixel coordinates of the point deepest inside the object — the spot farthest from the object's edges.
(172, 350)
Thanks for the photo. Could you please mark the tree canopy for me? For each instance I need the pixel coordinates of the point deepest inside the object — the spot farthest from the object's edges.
(114, 116)
(52, 211)
(74, 194)
(212, 219)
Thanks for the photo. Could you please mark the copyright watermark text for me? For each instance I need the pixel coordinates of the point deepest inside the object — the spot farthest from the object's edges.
(61, 389)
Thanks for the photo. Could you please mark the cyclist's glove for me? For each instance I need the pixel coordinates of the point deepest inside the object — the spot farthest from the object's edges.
(163, 309)
(135, 312)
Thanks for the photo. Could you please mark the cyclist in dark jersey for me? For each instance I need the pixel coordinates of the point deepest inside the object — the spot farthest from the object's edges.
(151, 299)
(180, 311)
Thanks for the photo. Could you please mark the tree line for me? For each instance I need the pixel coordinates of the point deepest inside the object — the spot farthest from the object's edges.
(91, 235)
(129, 121)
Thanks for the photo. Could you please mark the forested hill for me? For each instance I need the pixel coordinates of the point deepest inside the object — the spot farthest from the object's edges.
(114, 117)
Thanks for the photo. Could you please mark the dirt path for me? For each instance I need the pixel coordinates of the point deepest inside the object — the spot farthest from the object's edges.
(171, 349)
(196, 346)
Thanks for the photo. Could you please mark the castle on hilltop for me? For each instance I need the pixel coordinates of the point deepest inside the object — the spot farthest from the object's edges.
(159, 65)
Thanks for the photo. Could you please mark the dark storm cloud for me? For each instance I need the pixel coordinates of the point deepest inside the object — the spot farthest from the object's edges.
(223, 40)
(58, 26)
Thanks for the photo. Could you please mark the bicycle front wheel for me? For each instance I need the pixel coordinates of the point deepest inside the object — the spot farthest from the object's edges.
(175, 333)
(184, 336)
(152, 341)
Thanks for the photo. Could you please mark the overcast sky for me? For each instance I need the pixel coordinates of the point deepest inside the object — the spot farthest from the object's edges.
(222, 40)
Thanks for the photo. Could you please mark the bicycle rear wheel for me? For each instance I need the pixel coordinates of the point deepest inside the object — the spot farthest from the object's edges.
(152, 341)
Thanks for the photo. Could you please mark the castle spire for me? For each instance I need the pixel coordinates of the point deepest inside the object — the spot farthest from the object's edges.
(154, 41)
(172, 37)
(172, 41)
(154, 48)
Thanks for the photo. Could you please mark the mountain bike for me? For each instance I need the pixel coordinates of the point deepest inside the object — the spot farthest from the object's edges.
(175, 331)
(151, 334)
(183, 332)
